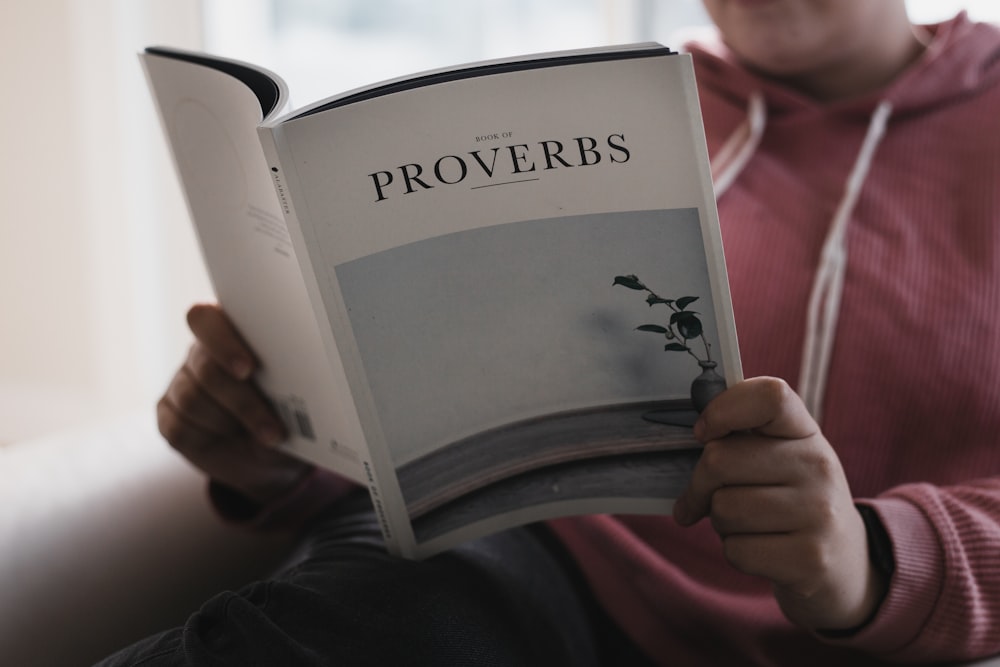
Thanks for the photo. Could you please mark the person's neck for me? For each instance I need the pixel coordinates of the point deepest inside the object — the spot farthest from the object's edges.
(861, 73)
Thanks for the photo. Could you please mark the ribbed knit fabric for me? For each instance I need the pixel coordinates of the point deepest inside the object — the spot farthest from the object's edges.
(912, 397)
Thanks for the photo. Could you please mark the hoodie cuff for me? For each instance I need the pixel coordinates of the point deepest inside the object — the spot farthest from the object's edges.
(915, 585)
(315, 491)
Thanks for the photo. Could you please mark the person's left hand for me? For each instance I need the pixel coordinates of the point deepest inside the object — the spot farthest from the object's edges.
(776, 494)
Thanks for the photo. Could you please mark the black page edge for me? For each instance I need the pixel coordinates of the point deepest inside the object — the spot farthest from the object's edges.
(266, 90)
(484, 70)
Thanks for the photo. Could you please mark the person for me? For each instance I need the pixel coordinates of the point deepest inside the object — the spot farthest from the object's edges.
(853, 520)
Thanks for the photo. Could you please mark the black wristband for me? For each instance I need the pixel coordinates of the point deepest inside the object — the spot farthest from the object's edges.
(879, 544)
(881, 557)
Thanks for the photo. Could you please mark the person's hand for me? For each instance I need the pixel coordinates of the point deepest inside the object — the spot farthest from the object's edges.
(217, 418)
(776, 494)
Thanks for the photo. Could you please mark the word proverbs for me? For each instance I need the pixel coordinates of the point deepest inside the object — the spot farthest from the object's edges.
(500, 162)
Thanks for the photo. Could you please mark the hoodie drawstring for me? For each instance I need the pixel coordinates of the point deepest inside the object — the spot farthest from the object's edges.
(729, 161)
(824, 301)
(828, 284)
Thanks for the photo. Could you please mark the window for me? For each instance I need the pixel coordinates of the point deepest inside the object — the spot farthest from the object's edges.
(321, 48)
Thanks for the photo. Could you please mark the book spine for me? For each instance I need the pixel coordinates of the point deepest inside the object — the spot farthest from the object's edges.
(717, 272)
(378, 472)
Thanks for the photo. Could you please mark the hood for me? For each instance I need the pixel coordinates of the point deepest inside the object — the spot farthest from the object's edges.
(961, 58)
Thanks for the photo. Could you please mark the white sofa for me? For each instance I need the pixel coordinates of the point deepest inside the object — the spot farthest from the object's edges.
(105, 537)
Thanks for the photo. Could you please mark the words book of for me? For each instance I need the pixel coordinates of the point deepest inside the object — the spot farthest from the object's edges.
(476, 291)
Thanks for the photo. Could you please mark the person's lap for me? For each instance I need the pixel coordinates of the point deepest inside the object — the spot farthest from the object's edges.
(508, 599)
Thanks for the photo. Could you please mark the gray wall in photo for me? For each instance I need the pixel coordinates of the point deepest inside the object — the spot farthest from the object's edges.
(477, 329)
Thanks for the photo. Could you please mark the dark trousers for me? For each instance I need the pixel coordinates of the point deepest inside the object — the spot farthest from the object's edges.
(512, 599)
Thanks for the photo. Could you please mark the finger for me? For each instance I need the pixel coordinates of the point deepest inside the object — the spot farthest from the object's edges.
(749, 459)
(809, 466)
(237, 462)
(197, 407)
(787, 559)
(765, 405)
(216, 332)
(751, 510)
(739, 460)
(242, 400)
(186, 437)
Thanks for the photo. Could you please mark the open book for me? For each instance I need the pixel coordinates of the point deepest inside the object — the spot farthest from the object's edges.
(443, 276)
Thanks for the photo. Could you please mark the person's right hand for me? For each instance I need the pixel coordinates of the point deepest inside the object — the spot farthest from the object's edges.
(217, 418)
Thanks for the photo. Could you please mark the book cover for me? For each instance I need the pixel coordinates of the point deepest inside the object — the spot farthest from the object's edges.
(494, 258)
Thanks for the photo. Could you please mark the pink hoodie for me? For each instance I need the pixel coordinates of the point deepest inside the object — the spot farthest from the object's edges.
(906, 379)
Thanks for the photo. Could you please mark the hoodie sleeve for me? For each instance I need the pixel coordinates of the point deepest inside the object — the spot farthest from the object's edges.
(943, 601)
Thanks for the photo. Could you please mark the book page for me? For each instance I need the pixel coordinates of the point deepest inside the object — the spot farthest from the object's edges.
(465, 239)
(210, 119)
